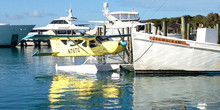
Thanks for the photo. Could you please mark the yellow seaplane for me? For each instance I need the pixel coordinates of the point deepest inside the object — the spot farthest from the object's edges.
(80, 46)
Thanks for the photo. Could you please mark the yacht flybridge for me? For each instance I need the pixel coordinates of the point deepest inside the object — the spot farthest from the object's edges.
(118, 20)
(63, 25)
(121, 16)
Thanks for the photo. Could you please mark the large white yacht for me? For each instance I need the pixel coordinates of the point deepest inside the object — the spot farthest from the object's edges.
(119, 20)
(11, 35)
(63, 25)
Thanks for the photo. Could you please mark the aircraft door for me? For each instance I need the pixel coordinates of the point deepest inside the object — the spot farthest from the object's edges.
(97, 49)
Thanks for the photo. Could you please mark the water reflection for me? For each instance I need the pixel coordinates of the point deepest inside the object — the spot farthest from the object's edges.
(77, 91)
(186, 92)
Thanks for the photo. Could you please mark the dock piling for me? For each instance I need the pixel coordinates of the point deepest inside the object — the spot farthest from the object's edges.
(188, 31)
(184, 27)
(149, 28)
(218, 28)
(104, 30)
(164, 28)
(146, 28)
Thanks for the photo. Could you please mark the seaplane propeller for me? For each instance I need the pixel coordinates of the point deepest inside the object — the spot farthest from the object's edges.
(125, 43)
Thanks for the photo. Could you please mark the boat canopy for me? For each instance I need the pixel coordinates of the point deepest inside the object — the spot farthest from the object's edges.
(126, 16)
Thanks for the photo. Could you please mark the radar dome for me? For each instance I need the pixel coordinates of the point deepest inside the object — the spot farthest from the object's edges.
(105, 6)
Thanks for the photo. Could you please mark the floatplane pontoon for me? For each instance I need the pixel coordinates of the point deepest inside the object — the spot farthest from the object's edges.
(80, 46)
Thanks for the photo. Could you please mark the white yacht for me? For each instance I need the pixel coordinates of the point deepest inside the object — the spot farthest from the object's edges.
(11, 35)
(119, 20)
(63, 25)
(155, 53)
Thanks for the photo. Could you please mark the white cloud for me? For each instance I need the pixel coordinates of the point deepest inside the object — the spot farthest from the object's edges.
(12, 16)
(35, 14)
(39, 14)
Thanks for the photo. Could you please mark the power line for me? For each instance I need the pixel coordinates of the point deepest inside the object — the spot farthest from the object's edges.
(151, 4)
(158, 9)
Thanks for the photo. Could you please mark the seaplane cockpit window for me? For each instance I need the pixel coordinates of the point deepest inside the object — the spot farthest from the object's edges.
(71, 43)
(102, 39)
(92, 44)
(84, 44)
(64, 42)
(76, 42)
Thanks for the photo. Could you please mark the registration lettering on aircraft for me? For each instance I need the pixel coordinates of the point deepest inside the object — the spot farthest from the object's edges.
(73, 50)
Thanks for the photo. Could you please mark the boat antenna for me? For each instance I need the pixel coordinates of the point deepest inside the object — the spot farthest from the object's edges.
(106, 8)
(70, 4)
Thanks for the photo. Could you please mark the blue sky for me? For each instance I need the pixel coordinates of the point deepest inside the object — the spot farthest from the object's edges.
(42, 12)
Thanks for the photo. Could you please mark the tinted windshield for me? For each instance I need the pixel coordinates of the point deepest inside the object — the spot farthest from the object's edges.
(59, 22)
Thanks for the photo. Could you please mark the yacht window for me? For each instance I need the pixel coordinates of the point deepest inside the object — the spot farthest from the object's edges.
(134, 17)
(63, 32)
(141, 27)
(116, 16)
(124, 17)
(92, 43)
(59, 22)
(64, 22)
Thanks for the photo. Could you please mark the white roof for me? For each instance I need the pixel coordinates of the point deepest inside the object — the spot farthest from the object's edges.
(123, 12)
(4, 24)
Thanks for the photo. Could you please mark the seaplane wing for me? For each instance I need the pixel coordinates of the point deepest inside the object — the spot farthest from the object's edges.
(78, 45)
(61, 37)
(37, 36)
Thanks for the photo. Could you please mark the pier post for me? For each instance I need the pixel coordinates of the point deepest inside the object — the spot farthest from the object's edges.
(104, 30)
(164, 28)
(146, 28)
(156, 29)
(123, 53)
(177, 31)
(128, 46)
(98, 33)
(188, 31)
(184, 27)
(72, 32)
(137, 29)
(149, 28)
(218, 28)
(123, 31)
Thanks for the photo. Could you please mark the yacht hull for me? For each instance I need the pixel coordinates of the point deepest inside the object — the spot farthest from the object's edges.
(173, 55)
(11, 35)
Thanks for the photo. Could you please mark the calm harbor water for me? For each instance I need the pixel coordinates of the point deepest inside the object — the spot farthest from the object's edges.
(28, 82)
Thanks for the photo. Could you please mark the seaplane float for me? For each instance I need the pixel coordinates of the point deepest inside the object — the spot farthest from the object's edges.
(83, 46)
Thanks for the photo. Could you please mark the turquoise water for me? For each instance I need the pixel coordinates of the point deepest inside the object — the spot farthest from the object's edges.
(28, 82)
